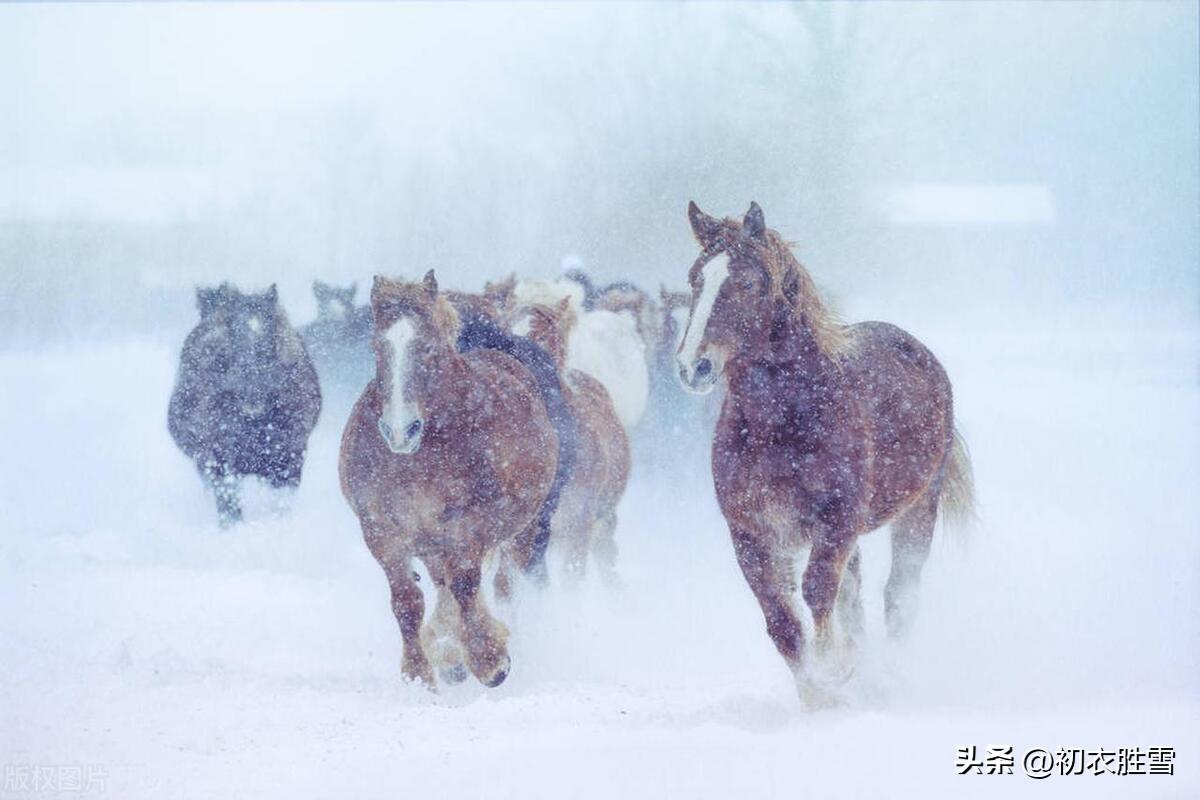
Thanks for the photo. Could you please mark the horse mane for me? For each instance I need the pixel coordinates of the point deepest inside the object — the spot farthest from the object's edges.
(550, 328)
(833, 337)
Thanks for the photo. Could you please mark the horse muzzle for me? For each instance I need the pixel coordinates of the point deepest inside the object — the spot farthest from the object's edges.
(700, 376)
(405, 441)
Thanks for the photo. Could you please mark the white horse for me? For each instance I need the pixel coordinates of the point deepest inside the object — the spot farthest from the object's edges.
(604, 344)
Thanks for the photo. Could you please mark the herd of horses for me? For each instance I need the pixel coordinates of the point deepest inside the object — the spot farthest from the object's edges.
(495, 426)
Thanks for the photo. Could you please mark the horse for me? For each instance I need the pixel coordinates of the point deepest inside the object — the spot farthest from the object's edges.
(605, 344)
(339, 339)
(482, 327)
(586, 520)
(246, 395)
(827, 432)
(447, 458)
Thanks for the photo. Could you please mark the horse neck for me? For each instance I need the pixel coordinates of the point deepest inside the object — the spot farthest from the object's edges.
(785, 370)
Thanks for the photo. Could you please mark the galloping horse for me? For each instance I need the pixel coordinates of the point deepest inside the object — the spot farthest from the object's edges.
(827, 433)
(446, 457)
(246, 395)
(482, 327)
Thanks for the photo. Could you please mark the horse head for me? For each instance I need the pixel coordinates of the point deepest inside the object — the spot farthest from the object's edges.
(743, 284)
(246, 336)
(413, 324)
(334, 302)
(549, 327)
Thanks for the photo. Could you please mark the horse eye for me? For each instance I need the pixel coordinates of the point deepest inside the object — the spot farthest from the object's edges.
(747, 284)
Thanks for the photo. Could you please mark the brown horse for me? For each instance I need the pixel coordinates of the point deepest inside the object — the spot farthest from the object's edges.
(447, 457)
(827, 433)
(586, 520)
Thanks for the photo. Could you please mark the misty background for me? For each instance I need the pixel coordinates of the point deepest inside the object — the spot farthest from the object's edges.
(1006, 156)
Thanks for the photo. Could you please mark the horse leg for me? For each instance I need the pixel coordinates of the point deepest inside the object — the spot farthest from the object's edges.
(912, 537)
(442, 638)
(604, 545)
(486, 637)
(226, 489)
(528, 549)
(849, 598)
(770, 572)
(573, 529)
(502, 583)
(834, 543)
(408, 603)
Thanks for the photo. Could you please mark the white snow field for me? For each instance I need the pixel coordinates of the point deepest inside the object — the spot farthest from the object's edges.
(166, 657)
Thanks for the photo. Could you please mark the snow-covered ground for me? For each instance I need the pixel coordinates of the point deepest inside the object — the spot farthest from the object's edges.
(183, 660)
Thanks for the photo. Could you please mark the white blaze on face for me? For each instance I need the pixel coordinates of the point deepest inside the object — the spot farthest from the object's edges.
(255, 324)
(715, 272)
(399, 413)
(679, 315)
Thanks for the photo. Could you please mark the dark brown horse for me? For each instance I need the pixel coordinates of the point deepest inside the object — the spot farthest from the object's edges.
(827, 433)
(246, 395)
(447, 457)
(586, 520)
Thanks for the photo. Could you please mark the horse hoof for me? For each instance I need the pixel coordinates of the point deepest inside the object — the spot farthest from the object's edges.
(817, 696)
(499, 675)
(453, 674)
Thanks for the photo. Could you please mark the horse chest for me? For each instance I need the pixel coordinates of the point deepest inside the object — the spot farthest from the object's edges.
(783, 463)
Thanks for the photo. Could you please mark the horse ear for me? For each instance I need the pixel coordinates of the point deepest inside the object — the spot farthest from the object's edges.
(430, 283)
(206, 300)
(705, 228)
(353, 289)
(791, 286)
(753, 224)
(272, 293)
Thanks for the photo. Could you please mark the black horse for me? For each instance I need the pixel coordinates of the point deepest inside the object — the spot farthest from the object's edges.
(246, 395)
(339, 339)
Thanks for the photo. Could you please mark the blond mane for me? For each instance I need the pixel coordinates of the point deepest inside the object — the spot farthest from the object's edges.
(835, 339)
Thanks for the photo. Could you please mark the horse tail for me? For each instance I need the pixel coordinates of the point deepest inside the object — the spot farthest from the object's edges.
(957, 498)
(480, 332)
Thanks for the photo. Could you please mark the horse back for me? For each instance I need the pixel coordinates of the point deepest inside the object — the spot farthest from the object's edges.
(906, 400)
